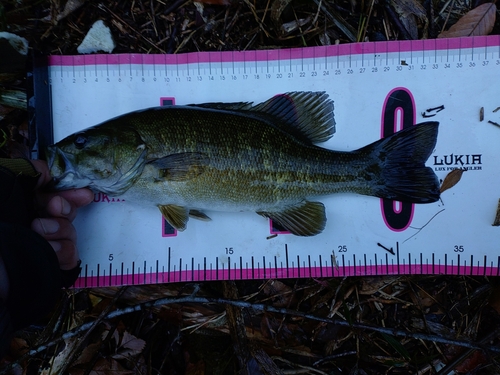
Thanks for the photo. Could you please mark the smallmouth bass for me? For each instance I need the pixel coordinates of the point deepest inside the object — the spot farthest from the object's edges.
(243, 157)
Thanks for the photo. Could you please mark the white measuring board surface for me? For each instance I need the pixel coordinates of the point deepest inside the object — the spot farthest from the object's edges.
(375, 86)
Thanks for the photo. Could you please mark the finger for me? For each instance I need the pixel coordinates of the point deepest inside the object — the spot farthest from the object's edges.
(65, 203)
(67, 253)
(60, 207)
(54, 229)
(76, 197)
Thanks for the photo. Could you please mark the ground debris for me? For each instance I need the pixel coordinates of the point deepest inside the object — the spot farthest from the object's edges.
(185, 26)
(226, 327)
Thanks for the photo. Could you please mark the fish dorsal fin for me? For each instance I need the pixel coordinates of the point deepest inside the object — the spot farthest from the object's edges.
(181, 167)
(177, 216)
(303, 219)
(306, 115)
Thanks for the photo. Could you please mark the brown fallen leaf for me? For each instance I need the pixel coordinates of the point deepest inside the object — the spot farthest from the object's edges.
(280, 293)
(476, 22)
(496, 222)
(70, 7)
(451, 179)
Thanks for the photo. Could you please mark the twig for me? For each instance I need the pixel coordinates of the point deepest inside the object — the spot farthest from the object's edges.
(308, 369)
(362, 39)
(493, 123)
(402, 29)
(317, 13)
(13, 98)
(175, 6)
(338, 21)
(448, 16)
(254, 12)
(334, 356)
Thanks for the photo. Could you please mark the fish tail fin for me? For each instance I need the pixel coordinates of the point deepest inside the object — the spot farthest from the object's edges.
(401, 161)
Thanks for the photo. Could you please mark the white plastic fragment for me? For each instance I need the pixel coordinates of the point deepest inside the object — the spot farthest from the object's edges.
(17, 42)
(98, 38)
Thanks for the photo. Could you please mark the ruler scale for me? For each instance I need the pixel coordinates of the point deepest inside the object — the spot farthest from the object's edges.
(375, 87)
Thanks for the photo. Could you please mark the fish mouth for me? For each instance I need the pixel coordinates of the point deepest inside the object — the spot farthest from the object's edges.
(64, 175)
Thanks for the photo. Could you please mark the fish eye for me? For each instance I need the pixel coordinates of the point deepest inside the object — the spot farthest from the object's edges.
(80, 141)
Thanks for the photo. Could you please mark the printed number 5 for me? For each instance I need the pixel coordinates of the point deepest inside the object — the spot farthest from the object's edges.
(110, 258)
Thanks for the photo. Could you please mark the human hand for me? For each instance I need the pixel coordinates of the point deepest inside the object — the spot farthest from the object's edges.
(60, 208)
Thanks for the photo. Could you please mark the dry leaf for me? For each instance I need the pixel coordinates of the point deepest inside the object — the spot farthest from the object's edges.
(87, 354)
(69, 8)
(451, 179)
(408, 12)
(372, 285)
(280, 293)
(472, 362)
(478, 21)
(496, 222)
(129, 346)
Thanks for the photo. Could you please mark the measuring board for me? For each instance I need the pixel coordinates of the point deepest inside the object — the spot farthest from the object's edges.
(375, 86)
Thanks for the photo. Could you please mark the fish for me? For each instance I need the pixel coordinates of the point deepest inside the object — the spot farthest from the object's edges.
(237, 157)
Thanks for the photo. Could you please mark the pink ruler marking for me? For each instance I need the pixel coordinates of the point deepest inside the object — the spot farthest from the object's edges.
(281, 54)
(282, 273)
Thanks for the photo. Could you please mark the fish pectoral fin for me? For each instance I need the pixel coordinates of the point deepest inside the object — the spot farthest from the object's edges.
(177, 216)
(181, 167)
(303, 219)
(195, 214)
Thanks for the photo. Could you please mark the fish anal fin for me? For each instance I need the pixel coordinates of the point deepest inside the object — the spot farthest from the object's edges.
(303, 219)
(196, 214)
(181, 167)
(177, 216)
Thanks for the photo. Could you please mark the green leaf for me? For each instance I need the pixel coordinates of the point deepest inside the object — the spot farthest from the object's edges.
(396, 345)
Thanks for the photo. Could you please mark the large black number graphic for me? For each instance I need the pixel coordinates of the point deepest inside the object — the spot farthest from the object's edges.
(399, 109)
